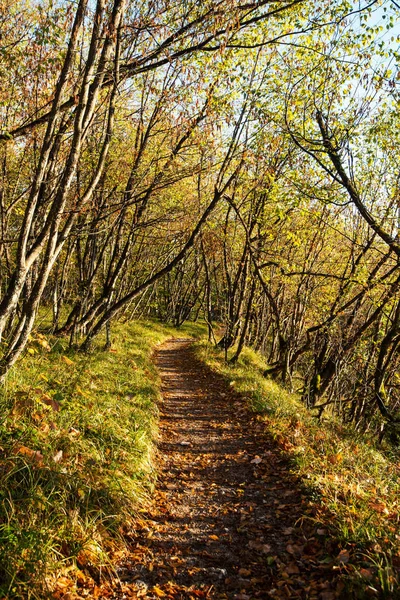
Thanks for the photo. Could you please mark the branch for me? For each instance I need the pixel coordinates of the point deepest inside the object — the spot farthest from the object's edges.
(350, 187)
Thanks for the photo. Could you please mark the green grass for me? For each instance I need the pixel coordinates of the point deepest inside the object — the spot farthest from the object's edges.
(356, 482)
(77, 435)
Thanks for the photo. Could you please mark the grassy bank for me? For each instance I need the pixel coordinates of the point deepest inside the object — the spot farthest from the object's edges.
(356, 481)
(76, 438)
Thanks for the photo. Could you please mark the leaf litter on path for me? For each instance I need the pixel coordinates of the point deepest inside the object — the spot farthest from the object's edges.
(228, 520)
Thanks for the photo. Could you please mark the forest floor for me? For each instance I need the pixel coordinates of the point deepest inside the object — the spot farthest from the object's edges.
(228, 518)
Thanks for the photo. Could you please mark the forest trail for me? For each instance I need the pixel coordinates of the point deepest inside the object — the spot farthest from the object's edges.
(228, 517)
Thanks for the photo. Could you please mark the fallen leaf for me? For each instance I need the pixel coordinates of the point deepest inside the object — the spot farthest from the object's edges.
(97, 592)
(58, 456)
(328, 595)
(293, 569)
(158, 592)
(334, 459)
(64, 583)
(294, 549)
(343, 556)
(49, 401)
(256, 461)
(378, 507)
(29, 453)
(67, 360)
(259, 546)
(81, 578)
(367, 573)
(81, 392)
(22, 404)
(44, 343)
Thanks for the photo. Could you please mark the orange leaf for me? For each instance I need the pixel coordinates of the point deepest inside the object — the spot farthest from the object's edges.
(378, 507)
(29, 453)
(80, 576)
(64, 583)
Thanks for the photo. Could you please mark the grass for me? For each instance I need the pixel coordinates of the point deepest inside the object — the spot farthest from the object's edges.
(356, 482)
(77, 437)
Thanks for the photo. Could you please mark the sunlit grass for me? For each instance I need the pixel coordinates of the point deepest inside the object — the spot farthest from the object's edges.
(355, 480)
(77, 435)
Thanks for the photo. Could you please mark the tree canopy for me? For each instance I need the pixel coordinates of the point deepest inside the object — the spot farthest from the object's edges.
(234, 161)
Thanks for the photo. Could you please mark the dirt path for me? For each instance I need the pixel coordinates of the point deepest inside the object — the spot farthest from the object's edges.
(228, 516)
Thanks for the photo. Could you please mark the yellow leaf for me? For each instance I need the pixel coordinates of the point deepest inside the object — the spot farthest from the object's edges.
(80, 577)
(67, 360)
(158, 592)
(45, 344)
(64, 583)
(213, 537)
(81, 392)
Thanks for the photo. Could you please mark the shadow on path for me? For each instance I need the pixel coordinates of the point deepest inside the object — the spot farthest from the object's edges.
(229, 520)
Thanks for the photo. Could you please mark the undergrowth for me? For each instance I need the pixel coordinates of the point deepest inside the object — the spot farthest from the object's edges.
(77, 434)
(356, 482)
